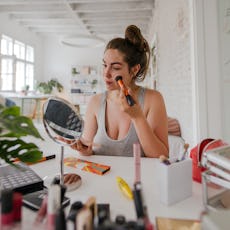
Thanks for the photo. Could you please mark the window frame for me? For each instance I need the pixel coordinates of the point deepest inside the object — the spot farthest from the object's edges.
(15, 60)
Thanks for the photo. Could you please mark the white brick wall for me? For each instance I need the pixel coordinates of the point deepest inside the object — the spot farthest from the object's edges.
(171, 24)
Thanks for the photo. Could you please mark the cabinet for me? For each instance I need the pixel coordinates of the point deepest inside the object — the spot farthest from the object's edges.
(84, 79)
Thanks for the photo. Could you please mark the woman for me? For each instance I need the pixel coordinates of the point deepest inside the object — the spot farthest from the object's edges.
(109, 120)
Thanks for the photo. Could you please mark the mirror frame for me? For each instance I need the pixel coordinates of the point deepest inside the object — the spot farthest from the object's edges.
(47, 126)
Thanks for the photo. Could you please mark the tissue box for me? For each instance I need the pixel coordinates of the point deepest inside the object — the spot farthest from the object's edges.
(175, 181)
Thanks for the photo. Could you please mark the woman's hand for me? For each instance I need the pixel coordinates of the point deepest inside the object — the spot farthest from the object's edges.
(134, 110)
(83, 147)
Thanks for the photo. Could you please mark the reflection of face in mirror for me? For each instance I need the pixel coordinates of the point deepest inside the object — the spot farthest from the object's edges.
(63, 119)
(65, 126)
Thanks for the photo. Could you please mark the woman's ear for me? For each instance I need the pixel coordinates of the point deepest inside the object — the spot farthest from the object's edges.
(135, 69)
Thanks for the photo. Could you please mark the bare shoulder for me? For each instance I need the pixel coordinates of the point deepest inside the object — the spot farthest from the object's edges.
(155, 109)
(153, 97)
(94, 102)
(95, 98)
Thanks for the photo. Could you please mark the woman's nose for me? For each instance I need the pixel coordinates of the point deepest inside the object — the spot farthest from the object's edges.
(107, 72)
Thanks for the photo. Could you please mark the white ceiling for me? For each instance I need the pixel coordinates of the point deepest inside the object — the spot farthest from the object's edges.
(102, 18)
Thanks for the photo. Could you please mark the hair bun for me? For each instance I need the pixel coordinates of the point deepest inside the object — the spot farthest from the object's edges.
(134, 36)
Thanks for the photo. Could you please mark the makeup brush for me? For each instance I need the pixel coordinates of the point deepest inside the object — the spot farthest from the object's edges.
(164, 160)
(129, 98)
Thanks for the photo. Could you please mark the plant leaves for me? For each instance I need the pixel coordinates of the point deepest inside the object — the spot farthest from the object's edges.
(17, 148)
(12, 127)
(9, 111)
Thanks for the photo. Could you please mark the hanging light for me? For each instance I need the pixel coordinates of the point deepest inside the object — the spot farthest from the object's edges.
(83, 41)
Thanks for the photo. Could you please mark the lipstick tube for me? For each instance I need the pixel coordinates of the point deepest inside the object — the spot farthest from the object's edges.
(17, 206)
(7, 216)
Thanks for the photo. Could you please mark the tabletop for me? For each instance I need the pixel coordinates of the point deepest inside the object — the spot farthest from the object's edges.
(105, 188)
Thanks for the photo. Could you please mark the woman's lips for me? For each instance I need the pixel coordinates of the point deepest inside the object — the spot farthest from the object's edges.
(109, 83)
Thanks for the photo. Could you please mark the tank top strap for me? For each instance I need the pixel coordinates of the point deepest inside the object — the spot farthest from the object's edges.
(102, 104)
(141, 96)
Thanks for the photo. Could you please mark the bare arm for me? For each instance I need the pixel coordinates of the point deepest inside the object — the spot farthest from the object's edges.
(151, 124)
(84, 145)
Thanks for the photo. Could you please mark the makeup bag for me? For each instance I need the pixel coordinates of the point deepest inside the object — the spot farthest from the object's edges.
(196, 155)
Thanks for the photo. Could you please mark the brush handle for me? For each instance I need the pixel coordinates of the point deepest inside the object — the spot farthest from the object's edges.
(129, 98)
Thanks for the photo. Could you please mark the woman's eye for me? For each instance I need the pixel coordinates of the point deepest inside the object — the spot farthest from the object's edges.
(116, 68)
(104, 66)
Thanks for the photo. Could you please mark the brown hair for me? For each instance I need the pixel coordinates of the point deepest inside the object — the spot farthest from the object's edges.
(134, 48)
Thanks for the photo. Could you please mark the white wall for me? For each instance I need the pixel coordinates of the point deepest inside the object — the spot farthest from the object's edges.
(212, 45)
(175, 77)
(224, 42)
(12, 29)
(193, 65)
(59, 60)
(171, 25)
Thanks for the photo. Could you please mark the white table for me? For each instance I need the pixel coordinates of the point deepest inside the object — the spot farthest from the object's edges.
(38, 98)
(105, 189)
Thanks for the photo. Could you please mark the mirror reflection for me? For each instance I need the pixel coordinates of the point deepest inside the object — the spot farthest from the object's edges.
(62, 118)
(64, 125)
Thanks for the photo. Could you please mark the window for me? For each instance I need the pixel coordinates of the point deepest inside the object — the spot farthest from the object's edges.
(16, 65)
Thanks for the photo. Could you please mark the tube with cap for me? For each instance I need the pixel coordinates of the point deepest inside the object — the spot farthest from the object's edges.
(7, 215)
(129, 98)
(137, 162)
(53, 204)
(17, 206)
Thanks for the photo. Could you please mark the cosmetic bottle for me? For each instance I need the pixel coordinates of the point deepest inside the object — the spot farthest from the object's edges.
(7, 215)
(60, 221)
(75, 207)
(17, 206)
(53, 204)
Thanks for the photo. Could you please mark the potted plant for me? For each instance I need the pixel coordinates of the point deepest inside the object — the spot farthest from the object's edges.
(25, 89)
(94, 83)
(47, 87)
(13, 127)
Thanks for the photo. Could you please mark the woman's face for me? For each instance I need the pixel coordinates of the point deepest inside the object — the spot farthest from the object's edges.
(114, 65)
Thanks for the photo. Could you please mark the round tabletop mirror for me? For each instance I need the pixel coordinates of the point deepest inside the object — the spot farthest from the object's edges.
(64, 125)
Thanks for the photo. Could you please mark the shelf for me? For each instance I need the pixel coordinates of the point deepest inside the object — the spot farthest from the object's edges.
(85, 80)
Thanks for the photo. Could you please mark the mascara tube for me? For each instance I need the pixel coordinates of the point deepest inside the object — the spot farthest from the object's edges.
(60, 222)
(138, 201)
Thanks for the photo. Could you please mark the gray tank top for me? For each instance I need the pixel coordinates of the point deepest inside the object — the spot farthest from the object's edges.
(108, 146)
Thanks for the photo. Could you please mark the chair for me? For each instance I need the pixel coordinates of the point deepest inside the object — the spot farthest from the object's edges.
(177, 144)
(6, 101)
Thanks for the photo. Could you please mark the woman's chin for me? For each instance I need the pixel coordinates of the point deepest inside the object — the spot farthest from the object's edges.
(109, 87)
